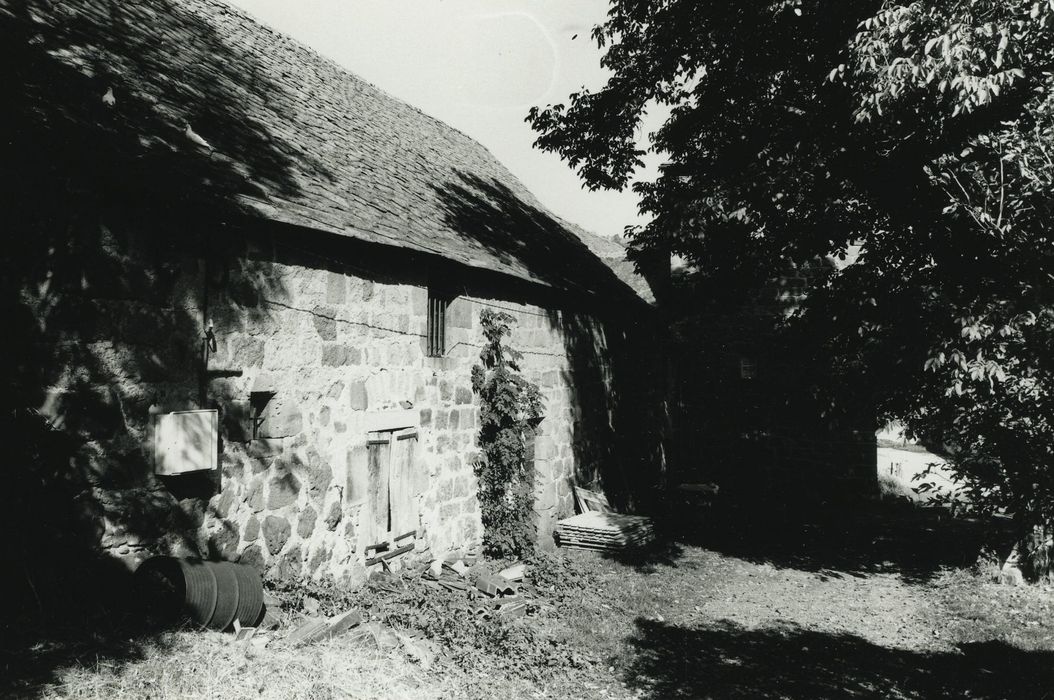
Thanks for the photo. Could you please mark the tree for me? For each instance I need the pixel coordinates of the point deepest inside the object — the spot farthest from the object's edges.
(922, 131)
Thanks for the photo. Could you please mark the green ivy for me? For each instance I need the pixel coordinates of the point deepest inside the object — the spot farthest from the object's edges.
(510, 411)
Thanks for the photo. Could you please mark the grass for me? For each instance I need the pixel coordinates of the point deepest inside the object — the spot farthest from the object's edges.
(890, 487)
(681, 621)
(195, 665)
(975, 608)
(550, 653)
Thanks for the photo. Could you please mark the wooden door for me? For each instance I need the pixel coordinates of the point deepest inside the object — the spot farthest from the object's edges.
(391, 506)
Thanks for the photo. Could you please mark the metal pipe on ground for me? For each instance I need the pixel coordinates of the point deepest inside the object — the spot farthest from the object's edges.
(211, 594)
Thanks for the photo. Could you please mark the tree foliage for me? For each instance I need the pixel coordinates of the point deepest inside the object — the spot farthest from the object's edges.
(922, 131)
(510, 411)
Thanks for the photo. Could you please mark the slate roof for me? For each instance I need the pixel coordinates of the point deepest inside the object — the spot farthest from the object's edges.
(296, 138)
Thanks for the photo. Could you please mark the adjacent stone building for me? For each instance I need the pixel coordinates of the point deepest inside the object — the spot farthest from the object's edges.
(203, 214)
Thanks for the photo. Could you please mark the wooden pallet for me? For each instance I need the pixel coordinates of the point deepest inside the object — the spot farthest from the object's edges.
(613, 531)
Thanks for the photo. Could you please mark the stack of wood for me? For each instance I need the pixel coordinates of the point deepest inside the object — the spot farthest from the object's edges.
(596, 527)
(610, 531)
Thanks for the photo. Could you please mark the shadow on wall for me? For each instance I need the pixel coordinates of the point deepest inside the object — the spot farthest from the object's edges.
(616, 370)
(617, 377)
(725, 660)
(103, 288)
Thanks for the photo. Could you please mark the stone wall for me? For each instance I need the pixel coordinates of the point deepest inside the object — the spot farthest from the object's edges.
(345, 356)
(306, 356)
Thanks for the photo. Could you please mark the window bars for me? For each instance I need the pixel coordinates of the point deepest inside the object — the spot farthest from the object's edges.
(436, 329)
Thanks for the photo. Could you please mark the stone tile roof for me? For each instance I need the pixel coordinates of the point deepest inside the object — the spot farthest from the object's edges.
(294, 137)
(613, 252)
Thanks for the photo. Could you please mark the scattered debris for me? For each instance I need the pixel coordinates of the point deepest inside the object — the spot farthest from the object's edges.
(309, 631)
(457, 566)
(385, 581)
(487, 596)
(340, 624)
(316, 629)
(494, 585)
(515, 608)
(244, 634)
(516, 572)
(453, 585)
(272, 613)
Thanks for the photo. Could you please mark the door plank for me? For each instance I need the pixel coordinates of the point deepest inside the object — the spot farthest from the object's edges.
(376, 520)
(403, 503)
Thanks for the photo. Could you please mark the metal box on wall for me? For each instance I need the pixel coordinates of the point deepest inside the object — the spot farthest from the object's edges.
(186, 441)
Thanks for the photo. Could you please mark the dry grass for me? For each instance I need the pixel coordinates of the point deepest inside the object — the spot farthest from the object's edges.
(189, 665)
(684, 622)
(973, 607)
(586, 623)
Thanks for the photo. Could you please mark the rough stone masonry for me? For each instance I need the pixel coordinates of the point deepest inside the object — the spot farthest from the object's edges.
(345, 357)
(338, 354)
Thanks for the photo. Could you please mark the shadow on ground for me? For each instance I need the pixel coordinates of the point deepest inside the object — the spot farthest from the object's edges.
(916, 543)
(111, 631)
(28, 670)
(725, 660)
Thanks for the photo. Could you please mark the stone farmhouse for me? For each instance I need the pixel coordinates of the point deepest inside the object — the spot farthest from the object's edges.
(243, 289)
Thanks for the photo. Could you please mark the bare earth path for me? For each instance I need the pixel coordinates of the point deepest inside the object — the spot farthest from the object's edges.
(877, 607)
(882, 614)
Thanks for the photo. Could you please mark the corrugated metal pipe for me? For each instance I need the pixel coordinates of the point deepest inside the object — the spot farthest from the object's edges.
(210, 593)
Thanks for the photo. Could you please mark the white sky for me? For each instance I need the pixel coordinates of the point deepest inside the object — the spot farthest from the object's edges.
(478, 65)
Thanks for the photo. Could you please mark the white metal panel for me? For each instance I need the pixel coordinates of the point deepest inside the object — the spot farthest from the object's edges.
(186, 441)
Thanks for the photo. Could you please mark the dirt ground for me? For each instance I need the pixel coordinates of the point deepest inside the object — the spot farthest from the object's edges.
(883, 607)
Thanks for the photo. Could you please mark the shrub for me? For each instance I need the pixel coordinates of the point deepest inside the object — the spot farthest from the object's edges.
(510, 411)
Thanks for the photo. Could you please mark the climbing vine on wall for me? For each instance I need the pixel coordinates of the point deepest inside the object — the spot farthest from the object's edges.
(510, 411)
